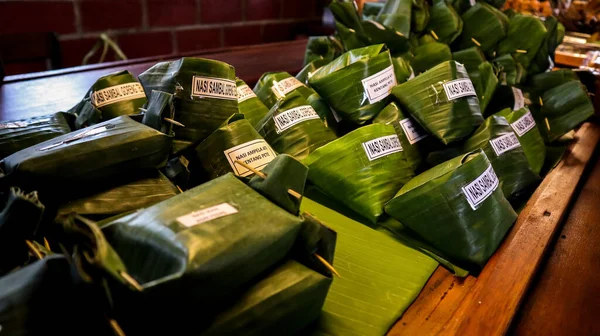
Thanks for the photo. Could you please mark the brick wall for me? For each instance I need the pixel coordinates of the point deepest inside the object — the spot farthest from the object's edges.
(157, 27)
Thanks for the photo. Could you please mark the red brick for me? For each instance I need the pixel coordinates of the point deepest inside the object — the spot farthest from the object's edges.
(298, 8)
(138, 45)
(198, 39)
(98, 15)
(275, 32)
(165, 13)
(262, 9)
(217, 11)
(39, 16)
(242, 35)
(73, 52)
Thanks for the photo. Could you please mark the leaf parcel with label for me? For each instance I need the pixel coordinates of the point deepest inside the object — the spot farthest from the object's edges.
(483, 26)
(249, 104)
(444, 21)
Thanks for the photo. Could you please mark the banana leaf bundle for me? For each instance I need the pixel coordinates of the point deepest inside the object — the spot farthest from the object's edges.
(235, 140)
(205, 95)
(545, 81)
(461, 6)
(322, 47)
(523, 123)
(564, 108)
(249, 104)
(371, 10)
(483, 26)
(444, 22)
(544, 58)
(429, 55)
(310, 68)
(443, 101)
(471, 217)
(293, 127)
(160, 106)
(419, 15)
(523, 39)
(380, 34)
(496, 3)
(510, 71)
(362, 170)
(396, 14)
(83, 159)
(501, 145)
(348, 25)
(177, 171)
(402, 69)
(20, 134)
(195, 253)
(506, 97)
(357, 84)
(485, 82)
(471, 58)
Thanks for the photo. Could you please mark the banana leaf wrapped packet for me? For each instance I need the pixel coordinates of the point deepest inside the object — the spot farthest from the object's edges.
(204, 92)
(20, 134)
(322, 47)
(471, 213)
(402, 69)
(310, 68)
(429, 55)
(397, 15)
(249, 104)
(419, 15)
(86, 158)
(485, 82)
(348, 24)
(362, 170)
(470, 57)
(357, 84)
(544, 58)
(510, 71)
(540, 83)
(523, 123)
(524, 37)
(160, 108)
(501, 145)
(483, 26)
(371, 10)
(444, 21)
(443, 101)
(293, 127)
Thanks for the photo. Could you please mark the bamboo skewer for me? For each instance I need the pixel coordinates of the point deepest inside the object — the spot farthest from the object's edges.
(34, 249)
(476, 42)
(434, 35)
(131, 281)
(176, 123)
(116, 327)
(326, 264)
(521, 51)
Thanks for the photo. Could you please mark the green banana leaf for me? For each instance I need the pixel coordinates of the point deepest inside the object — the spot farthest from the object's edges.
(371, 10)
(510, 71)
(496, 3)
(396, 14)
(293, 127)
(545, 81)
(249, 104)
(484, 24)
(419, 15)
(409, 132)
(523, 123)
(523, 39)
(501, 145)
(443, 101)
(310, 68)
(362, 170)
(429, 55)
(357, 84)
(146, 190)
(380, 278)
(402, 69)
(377, 33)
(322, 47)
(235, 140)
(444, 21)
(544, 58)
(471, 214)
(348, 25)
(19, 134)
(485, 82)
(204, 92)
(160, 106)
(461, 6)
(471, 58)
(82, 159)
(565, 107)
(195, 253)
(177, 171)
(505, 97)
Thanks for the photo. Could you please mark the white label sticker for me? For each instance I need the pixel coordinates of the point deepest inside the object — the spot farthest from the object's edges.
(14, 124)
(412, 132)
(291, 117)
(255, 153)
(208, 214)
(117, 93)
(379, 85)
(244, 93)
(481, 188)
(504, 143)
(285, 86)
(519, 99)
(459, 88)
(472, 2)
(523, 124)
(214, 88)
(381, 147)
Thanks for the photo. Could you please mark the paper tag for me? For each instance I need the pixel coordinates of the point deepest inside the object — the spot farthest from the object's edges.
(244, 93)
(291, 117)
(551, 63)
(208, 214)
(381, 147)
(285, 86)
(14, 124)
(459, 88)
(523, 124)
(504, 143)
(481, 188)
(379, 85)
(255, 153)
(117, 93)
(412, 132)
(519, 99)
(472, 2)
(214, 88)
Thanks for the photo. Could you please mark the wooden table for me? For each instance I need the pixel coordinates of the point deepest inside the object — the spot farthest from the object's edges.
(543, 280)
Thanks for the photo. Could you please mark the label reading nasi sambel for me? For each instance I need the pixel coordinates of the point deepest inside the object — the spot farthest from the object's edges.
(504, 143)
(291, 117)
(523, 124)
(459, 88)
(379, 85)
(285, 86)
(256, 154)
(380, 147)
(481, 188)
(117, 93)
(214, 88)
(244, 93)
(413, 133)
(208, 214)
